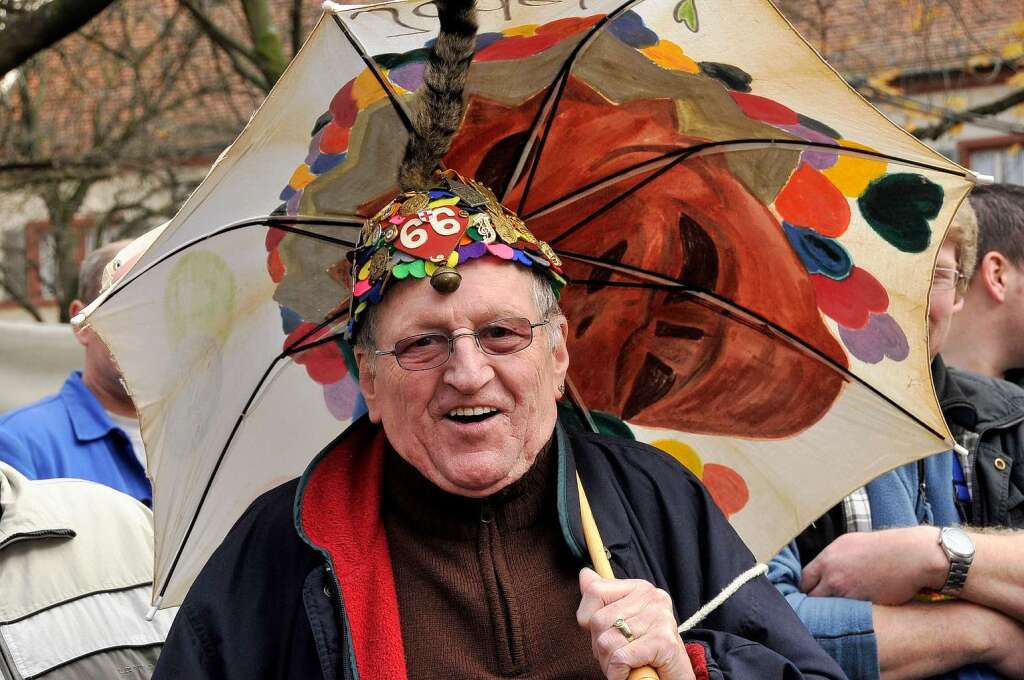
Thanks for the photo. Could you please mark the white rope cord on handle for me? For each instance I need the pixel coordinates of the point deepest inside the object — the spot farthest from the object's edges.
(727, 592)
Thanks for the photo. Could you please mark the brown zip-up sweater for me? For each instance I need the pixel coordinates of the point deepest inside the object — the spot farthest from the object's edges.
(487, 588)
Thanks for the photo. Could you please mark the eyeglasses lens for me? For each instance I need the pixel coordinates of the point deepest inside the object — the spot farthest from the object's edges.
(430, 350)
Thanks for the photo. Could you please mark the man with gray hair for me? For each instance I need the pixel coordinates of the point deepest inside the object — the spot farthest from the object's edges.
(89, 429)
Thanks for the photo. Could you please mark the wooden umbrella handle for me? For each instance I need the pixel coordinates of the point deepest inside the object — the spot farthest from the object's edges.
(599, 558)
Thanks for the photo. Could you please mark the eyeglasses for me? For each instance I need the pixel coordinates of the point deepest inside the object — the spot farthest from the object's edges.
(946, 278)
(430, 350)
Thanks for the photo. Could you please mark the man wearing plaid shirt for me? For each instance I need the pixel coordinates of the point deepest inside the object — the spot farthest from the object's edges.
(857, 581)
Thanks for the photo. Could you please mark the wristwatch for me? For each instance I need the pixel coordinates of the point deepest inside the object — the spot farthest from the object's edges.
(959, 548)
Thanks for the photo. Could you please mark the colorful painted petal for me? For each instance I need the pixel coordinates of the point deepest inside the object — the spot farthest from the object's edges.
(815, 156)
(669, 55)
(453, 259)
(850, 301)
(287, 192)
(292, 205)
(334, 139)
(400, 271)
(882, 337)
(733, 77)
(342, 398)
(810, 200)
(366, 90)
(408, 76)
(429, 268)
(727, 488)
(314, 148)
(852, 174)
(273, 237)
(899, 206)
(343, 107)
(818, 126)
(327, 162)
(274, 266)
(682, 452)
(301, 177)
(521, 258)
(764, 109)
(403, 257)
(818, 254)
(630, 29)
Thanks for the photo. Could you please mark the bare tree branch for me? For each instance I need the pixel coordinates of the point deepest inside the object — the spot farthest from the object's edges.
(949, 121)
(25, 33)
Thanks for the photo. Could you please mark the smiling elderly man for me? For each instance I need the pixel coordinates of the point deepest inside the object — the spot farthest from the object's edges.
(440, 535)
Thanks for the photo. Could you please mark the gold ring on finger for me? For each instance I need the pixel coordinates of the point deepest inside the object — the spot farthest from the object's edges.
(623, 627)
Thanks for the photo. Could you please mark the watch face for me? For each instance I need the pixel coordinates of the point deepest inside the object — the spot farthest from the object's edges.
(958, 542)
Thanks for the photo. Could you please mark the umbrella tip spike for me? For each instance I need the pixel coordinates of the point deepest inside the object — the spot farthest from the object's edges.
(152, 610)
(982, 179)
(78, 319)
(959, 449)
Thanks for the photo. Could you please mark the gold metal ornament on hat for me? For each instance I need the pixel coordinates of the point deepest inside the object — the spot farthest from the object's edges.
(379, 263)
(504, 227)
(549, 253)
(414, 204)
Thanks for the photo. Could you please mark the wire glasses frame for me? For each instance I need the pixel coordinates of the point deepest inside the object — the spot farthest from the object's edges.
(429, 350)
(946, 278)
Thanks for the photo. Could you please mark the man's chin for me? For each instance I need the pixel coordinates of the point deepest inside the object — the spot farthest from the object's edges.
(478, 477)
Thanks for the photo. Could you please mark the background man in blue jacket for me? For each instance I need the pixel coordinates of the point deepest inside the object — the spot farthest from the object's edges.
(89, 429)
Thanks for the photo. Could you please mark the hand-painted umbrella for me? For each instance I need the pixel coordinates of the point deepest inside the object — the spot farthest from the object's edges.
(751, 246)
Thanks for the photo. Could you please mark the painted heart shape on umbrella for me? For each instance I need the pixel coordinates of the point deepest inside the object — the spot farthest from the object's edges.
(850, 301)
(818, 254)
(882, 337)
(899, 206)
(811, 200)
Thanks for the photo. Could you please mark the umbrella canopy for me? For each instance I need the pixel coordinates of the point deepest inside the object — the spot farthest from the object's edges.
(751, 243)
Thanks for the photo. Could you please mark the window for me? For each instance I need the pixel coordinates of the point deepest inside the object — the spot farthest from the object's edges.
(1003, 158)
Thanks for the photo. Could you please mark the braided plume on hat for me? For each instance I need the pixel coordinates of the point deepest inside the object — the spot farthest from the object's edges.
(440, 104)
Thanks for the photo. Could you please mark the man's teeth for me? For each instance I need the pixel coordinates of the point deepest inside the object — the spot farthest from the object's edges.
(472, 411)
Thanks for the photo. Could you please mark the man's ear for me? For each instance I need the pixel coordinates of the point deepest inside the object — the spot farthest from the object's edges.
(82, 333)
(560, 352)
(994, 271)
(367, 384)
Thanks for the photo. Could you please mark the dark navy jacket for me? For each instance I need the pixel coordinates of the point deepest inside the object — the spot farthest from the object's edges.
(69, 434)
(266, 604)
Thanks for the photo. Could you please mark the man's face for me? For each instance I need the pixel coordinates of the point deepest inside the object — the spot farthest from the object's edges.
(415, 407)
(942, 304)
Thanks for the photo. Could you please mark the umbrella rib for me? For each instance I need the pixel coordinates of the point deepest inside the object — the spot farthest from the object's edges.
(667, 161)
(547, 110)
(372, 65)
(739, 313)
(276, 221)
(231, 437)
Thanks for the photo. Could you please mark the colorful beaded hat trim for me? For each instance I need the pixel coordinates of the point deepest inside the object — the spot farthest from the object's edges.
(429, 233)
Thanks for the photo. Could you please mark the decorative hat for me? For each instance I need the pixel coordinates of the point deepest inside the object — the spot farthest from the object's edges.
(441, 219)
(429, 233)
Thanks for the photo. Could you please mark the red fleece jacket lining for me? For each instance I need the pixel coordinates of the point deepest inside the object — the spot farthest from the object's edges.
(340, 513)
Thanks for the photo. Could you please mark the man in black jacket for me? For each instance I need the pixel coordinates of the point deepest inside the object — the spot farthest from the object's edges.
(440, 536)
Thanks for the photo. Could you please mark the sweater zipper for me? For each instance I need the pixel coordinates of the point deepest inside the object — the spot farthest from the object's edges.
(511, 661)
